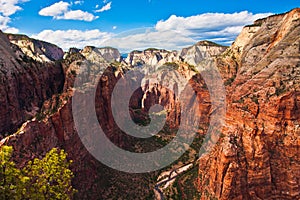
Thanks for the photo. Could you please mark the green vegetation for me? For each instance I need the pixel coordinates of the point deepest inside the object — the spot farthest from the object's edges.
(258, 24)
(209, 43)
(229, 81)
(192, 68)
(152, 49)
(280, 90)
(184, 186)
(255, 99)
(48, 178)
(173, 65)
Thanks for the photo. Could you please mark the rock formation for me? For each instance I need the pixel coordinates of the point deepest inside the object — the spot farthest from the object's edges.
(152, 57)
(192, 55)
(258, 155)
(201, 51)
(38, 50)
(25, 85)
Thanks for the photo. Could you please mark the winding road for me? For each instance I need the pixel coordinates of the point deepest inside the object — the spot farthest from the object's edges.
(173, 174)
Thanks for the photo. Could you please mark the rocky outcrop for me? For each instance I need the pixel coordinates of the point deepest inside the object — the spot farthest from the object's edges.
(201, 51)
(192, 55)
(38, 50)
(258, 155)
(25, 85)
(152, 57)
(105, 54)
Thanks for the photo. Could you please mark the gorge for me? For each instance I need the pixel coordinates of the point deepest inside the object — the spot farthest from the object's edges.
(256, 155)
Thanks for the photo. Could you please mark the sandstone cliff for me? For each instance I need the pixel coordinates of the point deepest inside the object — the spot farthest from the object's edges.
(201, 51)
(258, 155)
(191, 55)
(25, 85)
(152, 57)
(38, 50)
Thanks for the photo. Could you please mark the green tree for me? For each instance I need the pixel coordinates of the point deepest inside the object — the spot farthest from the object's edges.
(12, 182)
(50, 177)
(47, 178)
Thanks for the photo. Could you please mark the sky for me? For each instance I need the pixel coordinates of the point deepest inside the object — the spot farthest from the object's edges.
(134, 24)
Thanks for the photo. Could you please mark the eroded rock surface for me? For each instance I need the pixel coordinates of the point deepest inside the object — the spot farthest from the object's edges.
(258, 155)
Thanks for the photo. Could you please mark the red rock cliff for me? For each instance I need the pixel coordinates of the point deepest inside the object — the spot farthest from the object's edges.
(25, 85)
(258, 155)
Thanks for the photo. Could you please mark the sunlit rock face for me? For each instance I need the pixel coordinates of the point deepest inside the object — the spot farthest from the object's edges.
(201, 51)
(258, 155)
(192, 55)
(37, 50)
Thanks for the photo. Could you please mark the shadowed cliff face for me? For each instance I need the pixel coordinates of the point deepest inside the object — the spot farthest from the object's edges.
(258, 157)
(25, 85)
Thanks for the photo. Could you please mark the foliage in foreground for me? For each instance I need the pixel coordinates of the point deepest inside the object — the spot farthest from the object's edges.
(47, 178)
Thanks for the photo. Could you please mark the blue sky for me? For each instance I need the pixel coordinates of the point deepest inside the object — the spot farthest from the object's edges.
(134, 24)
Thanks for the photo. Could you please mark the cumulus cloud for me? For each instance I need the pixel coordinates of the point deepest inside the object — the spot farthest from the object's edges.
(8, 8)
(77, 15)
(4, 21)
(74, 38)
(172, 34)
(55, 9)
(141, 39)
(61, 10)
(105, 7)
(178, 32)
(212, 26)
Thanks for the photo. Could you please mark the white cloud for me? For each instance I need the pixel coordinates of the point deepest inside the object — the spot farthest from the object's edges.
(8, 8)
(61, 10)
(78, 2)
(114, 27)
(209, 21)
(105, 7)
(172, 34)
(55, 9)
(97, 6)
(4, 21)
(178, 32)
(141, 39)
(77, 15)
(210, 26)
(74, 38)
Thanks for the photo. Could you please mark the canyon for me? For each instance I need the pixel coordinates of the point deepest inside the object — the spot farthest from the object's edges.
(256, 155)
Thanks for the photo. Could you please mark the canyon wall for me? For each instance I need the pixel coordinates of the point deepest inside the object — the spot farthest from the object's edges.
(258, 155)
(25, 85)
